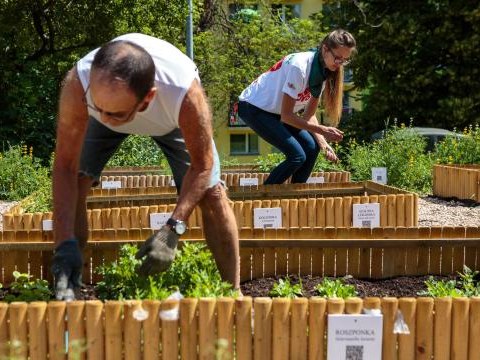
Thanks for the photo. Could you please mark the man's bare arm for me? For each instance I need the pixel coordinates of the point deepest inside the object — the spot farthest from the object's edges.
(195, 122)
(71, 128)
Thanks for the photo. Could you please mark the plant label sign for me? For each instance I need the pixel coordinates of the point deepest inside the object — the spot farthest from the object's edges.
(267, 218)
(172, 182)
(354, 337)
(315, 180)
(157, 220)
(379, 175)
(248, 181)
(47, 225)
(366, 215)
(111, 184)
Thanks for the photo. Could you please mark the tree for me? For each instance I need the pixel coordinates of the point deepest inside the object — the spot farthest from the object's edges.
(237, 49)
(40, 40)
(416, 60)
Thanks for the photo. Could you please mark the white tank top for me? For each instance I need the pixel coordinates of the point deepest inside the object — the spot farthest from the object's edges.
(174, 75)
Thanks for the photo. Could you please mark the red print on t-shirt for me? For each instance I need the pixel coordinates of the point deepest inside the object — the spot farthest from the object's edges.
(277, 66)
(305, 96)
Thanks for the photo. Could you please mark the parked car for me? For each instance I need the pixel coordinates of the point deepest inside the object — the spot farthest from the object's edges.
(433, 135)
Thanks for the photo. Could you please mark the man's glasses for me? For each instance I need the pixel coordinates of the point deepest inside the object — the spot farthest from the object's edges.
(338, 59)
(118, 117)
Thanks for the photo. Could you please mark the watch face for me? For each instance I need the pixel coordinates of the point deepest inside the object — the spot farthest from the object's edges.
(180, 227)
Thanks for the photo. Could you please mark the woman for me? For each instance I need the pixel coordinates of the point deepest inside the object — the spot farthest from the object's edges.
(271, 103)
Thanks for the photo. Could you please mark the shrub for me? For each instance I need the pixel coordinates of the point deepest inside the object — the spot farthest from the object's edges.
(138, 150)
(21, 173)
(464, 150)
(402, 152)
(335, 289)
(284, 288)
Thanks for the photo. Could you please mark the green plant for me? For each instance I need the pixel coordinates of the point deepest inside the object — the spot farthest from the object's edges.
(193, 273)
(24, 289)
(466, 286)
(464, 150)
(469, 286)
(21, 173)
(284, 288)
(335, 288)
(138, 150)
(440, 288)
(266, 163)
(402, 152)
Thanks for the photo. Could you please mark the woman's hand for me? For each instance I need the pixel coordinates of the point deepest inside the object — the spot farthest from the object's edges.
(326, 149)
(331, 134)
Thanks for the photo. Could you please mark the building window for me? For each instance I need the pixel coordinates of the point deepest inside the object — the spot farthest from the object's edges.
(243, 144)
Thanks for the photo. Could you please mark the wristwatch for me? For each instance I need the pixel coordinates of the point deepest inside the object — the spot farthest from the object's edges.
(178, 226)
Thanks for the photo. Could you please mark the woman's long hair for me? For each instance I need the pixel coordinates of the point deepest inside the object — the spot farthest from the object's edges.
(333, 92)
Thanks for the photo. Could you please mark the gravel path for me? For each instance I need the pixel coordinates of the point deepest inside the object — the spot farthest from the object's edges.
(431, 211)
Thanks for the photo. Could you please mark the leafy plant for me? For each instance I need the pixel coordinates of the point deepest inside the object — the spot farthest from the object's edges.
(464, 150)
(466, 286)
(335, 288)
(138, 150)
(21, 173)
(440, 288)
(284, 288)
(193, 273)
(24, 289)
(402, 152)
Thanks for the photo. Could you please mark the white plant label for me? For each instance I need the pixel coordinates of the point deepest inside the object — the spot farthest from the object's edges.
(47, 225)
(354, 337)
(366, 215)
(157, 220)
(111, 184)
(315, 180)
(248, 181)
(379, 175)
(172, 182)
(267, 218)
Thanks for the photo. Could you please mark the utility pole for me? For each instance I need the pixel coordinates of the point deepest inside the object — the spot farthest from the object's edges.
(190, 30)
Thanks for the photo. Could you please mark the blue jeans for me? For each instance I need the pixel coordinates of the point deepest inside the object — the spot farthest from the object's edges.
(298, 146)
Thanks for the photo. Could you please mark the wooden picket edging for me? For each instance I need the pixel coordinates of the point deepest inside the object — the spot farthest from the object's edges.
(230, 179)
(143, 170)
(361, 252)
(400, 209)
(459, 181)
(242, 329)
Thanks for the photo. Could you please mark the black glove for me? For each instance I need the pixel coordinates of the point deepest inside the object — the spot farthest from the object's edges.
(67, 267)
(160, 250)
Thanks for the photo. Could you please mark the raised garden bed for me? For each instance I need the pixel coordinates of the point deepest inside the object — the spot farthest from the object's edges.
(458, 181)
(312, 205)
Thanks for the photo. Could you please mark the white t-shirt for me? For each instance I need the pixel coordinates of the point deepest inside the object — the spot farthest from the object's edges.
(288, 76)
(174, 75)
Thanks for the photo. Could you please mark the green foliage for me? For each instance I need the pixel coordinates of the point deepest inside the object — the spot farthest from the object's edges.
(415, 59)
(41, 40)
(465, 150)
(24, 289)
(266, 163)
(284, 288)
(335, 288)
(401, 151)
(138, 150)
(193, 273)
(466, 286)
(21, 174)
(235, 51)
